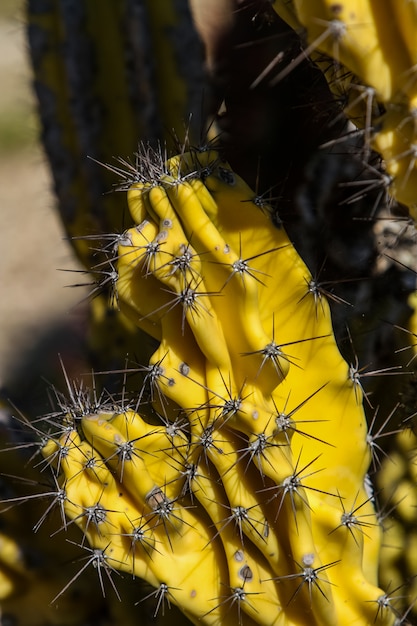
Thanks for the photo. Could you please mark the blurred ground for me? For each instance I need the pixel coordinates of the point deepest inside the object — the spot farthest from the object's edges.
(33, 298)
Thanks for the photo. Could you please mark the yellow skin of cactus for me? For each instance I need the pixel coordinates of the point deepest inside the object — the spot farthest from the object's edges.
(378, 43)
(255, 512)
(11, 566)
(413, 320)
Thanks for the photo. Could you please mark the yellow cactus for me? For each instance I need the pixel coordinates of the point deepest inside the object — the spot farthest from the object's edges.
(413, 321)
(377, 43)
(243, 498)
(11, 565)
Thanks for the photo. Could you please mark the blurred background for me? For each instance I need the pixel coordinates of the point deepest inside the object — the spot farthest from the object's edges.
(39, 315)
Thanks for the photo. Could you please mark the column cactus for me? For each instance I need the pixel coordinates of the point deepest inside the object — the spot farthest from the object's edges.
(243, 497)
